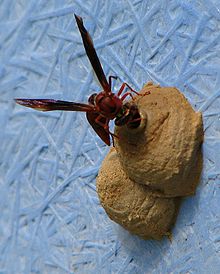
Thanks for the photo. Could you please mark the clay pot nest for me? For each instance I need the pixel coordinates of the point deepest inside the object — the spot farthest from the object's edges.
(142, 179)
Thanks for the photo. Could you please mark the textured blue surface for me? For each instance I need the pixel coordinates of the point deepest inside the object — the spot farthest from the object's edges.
(51, 220)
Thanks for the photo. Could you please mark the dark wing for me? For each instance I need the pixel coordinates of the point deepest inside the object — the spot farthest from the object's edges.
(92, 55)
(101, 132)
(50, 104)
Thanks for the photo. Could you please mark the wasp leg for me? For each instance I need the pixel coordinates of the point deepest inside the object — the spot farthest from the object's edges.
(110, 80)
(106, 127)
(134, 120)
(126, 94)
(123, 86)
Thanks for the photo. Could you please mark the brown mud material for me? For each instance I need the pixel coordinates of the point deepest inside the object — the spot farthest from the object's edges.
(164, 153)
(131, 204)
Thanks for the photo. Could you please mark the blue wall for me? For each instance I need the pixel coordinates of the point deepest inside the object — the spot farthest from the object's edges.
(51, 220)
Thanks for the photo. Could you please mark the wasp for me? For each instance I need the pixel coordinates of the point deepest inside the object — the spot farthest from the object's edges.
(102, 107)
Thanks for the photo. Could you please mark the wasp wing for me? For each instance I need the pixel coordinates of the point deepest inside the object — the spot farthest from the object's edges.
(101, 132)
(92, 55)
(50, 104)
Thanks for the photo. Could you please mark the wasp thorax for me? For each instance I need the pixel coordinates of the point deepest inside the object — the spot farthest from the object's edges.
(109, 105)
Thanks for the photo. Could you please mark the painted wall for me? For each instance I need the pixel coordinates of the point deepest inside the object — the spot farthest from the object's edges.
(51, 220)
